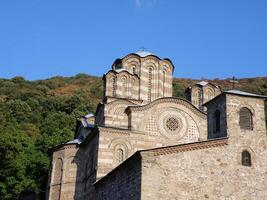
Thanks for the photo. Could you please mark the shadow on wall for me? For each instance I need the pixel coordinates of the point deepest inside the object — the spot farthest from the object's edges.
(85, 161)
(124, 182)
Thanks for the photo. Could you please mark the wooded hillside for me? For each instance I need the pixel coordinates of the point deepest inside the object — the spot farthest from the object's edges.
(36, 115)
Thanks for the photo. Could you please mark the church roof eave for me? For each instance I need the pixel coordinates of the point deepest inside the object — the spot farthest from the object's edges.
(59, 146)
(238, 93)
(129, 109)
(116, 72)
(137, 55)
(133, 101)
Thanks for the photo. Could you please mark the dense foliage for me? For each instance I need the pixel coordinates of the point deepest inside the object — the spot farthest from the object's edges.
(33, 117)
(36, 115)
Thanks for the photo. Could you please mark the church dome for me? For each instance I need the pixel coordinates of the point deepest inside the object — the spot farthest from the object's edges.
(143, 53)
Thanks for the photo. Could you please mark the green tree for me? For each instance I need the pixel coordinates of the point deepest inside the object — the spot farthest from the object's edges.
(19, 109)
(178, 91)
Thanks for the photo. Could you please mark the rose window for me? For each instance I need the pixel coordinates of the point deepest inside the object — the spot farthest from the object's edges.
(172, 123)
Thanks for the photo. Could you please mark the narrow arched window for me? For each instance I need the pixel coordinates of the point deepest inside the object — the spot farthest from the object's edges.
(113, 82)
(119, 155)
(195, 94)
(133, 90)
(246, 158)
(149, 83)
(57, 179)
(245, 119)
(209, 95)
(124, 86)
(58, 171)
(164, 83)
(134, 71)
(200, 102)
(217, 121)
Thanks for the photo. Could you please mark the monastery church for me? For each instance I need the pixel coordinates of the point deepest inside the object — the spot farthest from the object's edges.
(144, 144)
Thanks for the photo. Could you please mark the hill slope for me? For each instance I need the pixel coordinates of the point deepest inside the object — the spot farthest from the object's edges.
(35, 115)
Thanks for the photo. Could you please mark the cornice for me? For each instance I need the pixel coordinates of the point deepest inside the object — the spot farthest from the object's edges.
(119, 100)
(62, 147)
(153, 57)
(185, 147)
(114, 130)
(183, 102)
(112, 71)
(131, 55)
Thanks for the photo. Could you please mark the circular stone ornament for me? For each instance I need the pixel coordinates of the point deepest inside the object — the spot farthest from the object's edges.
(172, 123)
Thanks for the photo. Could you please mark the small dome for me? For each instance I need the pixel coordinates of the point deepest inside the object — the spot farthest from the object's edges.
(143, 53)
(202, 83)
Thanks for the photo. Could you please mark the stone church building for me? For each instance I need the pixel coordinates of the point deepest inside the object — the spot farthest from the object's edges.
(144, 144)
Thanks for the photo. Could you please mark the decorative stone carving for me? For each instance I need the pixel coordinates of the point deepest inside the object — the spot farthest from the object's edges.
(172, 123)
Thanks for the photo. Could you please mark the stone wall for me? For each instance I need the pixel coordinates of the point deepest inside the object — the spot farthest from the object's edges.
(65, 178)
(211, 169)
(114, 113)
(217, 172)
(205, 173)
(256, 106)
(111, 140)
(73, 170)
(124, 182)
(145, 133)
(90, 150)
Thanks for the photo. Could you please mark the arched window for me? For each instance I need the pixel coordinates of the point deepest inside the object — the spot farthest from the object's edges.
(195, 97)
(113, 85)
(199, 94)
(124, 86)
(217, 121)
(133, 90)
(134, 71)
(164, 82)
(209, 95)
(245, 119)
(119, 155)
(246, 158)
(58, 171)
(149, 83)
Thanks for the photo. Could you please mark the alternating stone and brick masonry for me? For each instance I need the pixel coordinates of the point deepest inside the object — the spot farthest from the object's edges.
(144, 144)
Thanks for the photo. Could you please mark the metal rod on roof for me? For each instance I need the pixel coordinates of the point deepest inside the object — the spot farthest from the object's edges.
(233, 81)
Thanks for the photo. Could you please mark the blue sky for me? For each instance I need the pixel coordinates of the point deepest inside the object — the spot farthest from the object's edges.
(203, 38)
